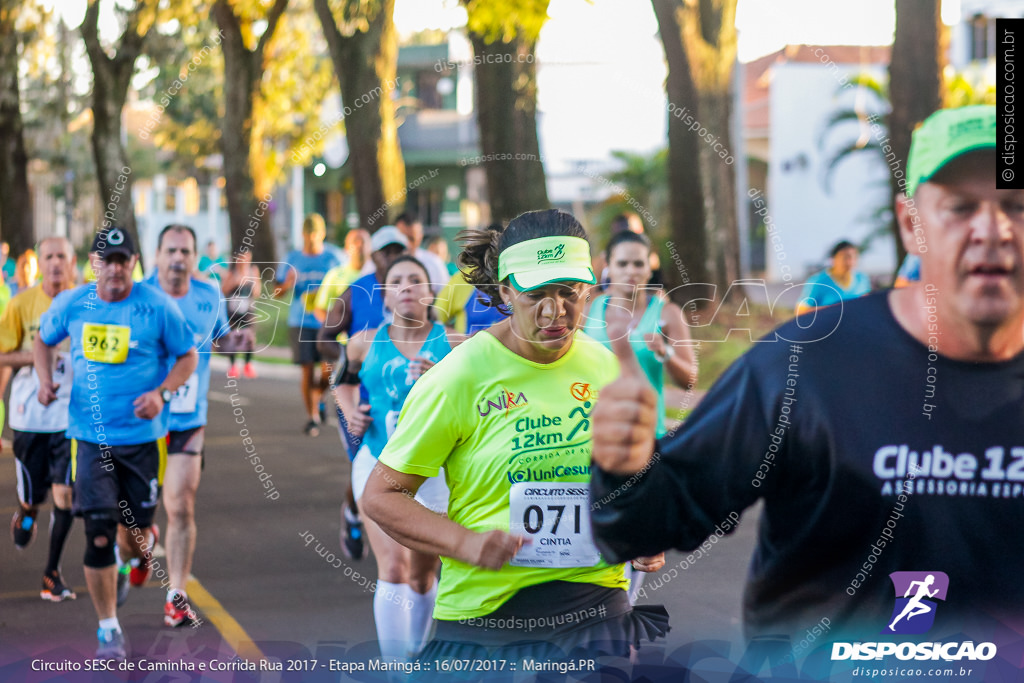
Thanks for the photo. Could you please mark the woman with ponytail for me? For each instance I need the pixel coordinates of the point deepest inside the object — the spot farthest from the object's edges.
(506, 415)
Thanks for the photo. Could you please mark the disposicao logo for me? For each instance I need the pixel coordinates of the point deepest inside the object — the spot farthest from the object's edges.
(917, 594)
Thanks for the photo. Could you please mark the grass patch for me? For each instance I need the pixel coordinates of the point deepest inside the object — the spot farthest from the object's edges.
(274, 331)
(725, 338)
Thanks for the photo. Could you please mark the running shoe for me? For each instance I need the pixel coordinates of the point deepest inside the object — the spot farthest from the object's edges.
(123, 583)
(233, 372)
(111, 644)
(178, 611)
(54, 589)
(23, 528)
(249, 371)
(312, 428)
(140, 572)
(352, 536)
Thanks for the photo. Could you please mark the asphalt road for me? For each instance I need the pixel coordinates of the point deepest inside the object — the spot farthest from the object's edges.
(263, 589)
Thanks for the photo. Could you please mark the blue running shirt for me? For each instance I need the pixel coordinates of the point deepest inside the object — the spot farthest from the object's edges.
(206, 315)
(119, 351)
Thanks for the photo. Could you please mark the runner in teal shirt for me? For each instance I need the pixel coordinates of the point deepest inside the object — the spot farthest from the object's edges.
(388, 361)
(657, 329)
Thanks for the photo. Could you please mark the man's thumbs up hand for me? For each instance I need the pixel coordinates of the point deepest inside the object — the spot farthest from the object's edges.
(626, 415)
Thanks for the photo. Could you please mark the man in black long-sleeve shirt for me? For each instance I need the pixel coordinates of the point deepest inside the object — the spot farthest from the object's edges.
(887, 435)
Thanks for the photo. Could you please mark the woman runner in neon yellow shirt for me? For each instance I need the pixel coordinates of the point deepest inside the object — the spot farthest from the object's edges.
(506, 414)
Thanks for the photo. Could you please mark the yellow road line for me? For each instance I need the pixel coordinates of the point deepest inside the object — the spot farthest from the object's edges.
(230, 630)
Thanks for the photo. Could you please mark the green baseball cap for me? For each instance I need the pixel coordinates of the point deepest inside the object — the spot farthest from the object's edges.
(946, 135)
(538, 262)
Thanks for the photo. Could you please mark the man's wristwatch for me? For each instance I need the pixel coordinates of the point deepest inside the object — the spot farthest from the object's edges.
(166, 395)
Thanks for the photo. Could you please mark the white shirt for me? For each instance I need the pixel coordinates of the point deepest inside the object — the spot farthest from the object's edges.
(435, 269)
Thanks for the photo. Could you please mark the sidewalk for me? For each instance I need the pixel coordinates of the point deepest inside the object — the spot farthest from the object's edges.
(273, 369)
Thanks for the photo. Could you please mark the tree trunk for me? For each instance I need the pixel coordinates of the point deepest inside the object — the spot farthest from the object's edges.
(248, 213)
(915, 80)
(686, 196)
(110, 82)
(365, 64)
(15, 201)
(716, 113)
(506, 114)
(708, 32)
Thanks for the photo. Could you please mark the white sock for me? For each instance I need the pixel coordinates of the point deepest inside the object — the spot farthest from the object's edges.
(171, 592)
(112, 622)
(421, 618)
(391, 615)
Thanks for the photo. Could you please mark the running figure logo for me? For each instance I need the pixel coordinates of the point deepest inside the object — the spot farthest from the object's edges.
(915, 610)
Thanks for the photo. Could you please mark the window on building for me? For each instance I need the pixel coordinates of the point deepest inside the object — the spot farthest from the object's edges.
(426, 89)
(335, 208)
(979, 37)
(427, 204)
(171, 197)
(320, 202)
(190, 196)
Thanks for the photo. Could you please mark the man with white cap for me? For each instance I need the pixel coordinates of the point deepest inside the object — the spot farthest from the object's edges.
(360, 307)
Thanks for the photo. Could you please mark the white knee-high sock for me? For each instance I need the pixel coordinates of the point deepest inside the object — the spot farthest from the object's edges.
(421, 618)
(391, 614)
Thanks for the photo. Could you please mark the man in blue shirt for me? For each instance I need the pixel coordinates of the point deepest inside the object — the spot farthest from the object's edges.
(123, 338)
(204, 310)
(303, 271)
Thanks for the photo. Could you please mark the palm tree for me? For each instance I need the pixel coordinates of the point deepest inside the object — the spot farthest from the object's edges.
(871, 99)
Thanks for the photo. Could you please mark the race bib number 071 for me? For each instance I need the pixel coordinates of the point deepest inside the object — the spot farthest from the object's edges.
(106, 343)
(556, 518)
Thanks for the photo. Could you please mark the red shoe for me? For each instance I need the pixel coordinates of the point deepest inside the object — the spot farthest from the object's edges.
(249, 371)
(140, 574)
(233, 372)
(54, 589)
(178, 611)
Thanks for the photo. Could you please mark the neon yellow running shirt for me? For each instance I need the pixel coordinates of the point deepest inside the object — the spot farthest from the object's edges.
(496, 421)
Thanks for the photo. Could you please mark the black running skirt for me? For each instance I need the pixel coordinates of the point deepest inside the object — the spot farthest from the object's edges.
(549, 622)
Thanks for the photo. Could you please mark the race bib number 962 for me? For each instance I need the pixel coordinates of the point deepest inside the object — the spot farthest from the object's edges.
(556, 518)
(106, 343)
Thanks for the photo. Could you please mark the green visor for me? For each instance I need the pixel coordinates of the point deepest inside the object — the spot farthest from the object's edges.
(538, 262)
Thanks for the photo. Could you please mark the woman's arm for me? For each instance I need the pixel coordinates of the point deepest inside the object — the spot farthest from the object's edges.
(389, 500)
(347, 394)
(682, 363)
(257, 283)
(227, 282)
